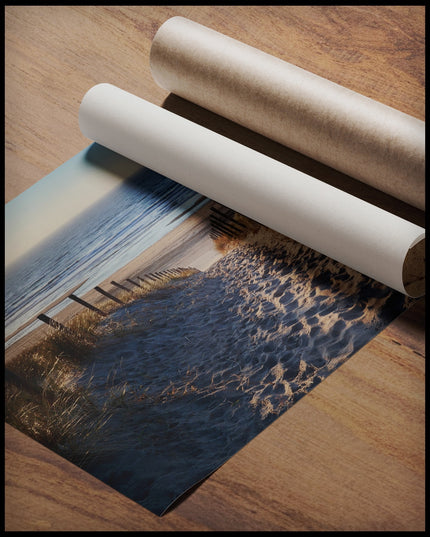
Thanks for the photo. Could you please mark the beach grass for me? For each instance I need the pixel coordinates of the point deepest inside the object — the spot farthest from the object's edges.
(43, 397)
(246, 228)
(48, 402)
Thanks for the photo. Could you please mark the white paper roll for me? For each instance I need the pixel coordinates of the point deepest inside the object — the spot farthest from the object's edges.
(347, 229)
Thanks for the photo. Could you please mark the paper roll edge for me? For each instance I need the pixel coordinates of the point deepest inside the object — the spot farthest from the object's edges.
(156, 51)
(413, 272)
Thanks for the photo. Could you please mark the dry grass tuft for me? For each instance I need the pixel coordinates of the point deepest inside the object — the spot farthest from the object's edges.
(43, 397)
(225, 244)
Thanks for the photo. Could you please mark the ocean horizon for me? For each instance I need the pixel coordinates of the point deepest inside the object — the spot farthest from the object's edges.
(95, 244)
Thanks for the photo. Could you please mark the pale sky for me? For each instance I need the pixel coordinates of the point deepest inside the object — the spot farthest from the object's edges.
(60, 196)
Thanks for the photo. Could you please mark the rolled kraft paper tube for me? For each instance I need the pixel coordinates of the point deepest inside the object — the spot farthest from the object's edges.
(360, 137)
(356, 233)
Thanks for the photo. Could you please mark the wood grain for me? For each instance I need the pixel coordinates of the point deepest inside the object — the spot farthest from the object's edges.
(349, 455)
(45, 492)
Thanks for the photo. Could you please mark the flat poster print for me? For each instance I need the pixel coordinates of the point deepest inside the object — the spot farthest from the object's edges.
(211, 328)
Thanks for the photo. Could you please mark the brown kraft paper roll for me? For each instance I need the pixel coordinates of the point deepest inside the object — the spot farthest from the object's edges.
(354, 134)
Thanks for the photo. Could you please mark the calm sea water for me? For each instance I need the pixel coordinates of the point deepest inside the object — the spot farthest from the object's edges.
(95, 244)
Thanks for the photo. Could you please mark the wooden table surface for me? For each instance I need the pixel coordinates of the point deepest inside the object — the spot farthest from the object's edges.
(350, 454)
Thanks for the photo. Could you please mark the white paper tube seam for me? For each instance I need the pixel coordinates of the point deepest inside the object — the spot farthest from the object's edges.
(347, 229)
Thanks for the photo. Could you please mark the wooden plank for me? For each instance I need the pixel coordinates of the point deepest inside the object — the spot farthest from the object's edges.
(53, 323)
(86, 304)
(108, 295)
(44, 310)
(120, 286)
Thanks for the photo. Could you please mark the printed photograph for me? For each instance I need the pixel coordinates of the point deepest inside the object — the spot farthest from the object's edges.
(151, 333)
